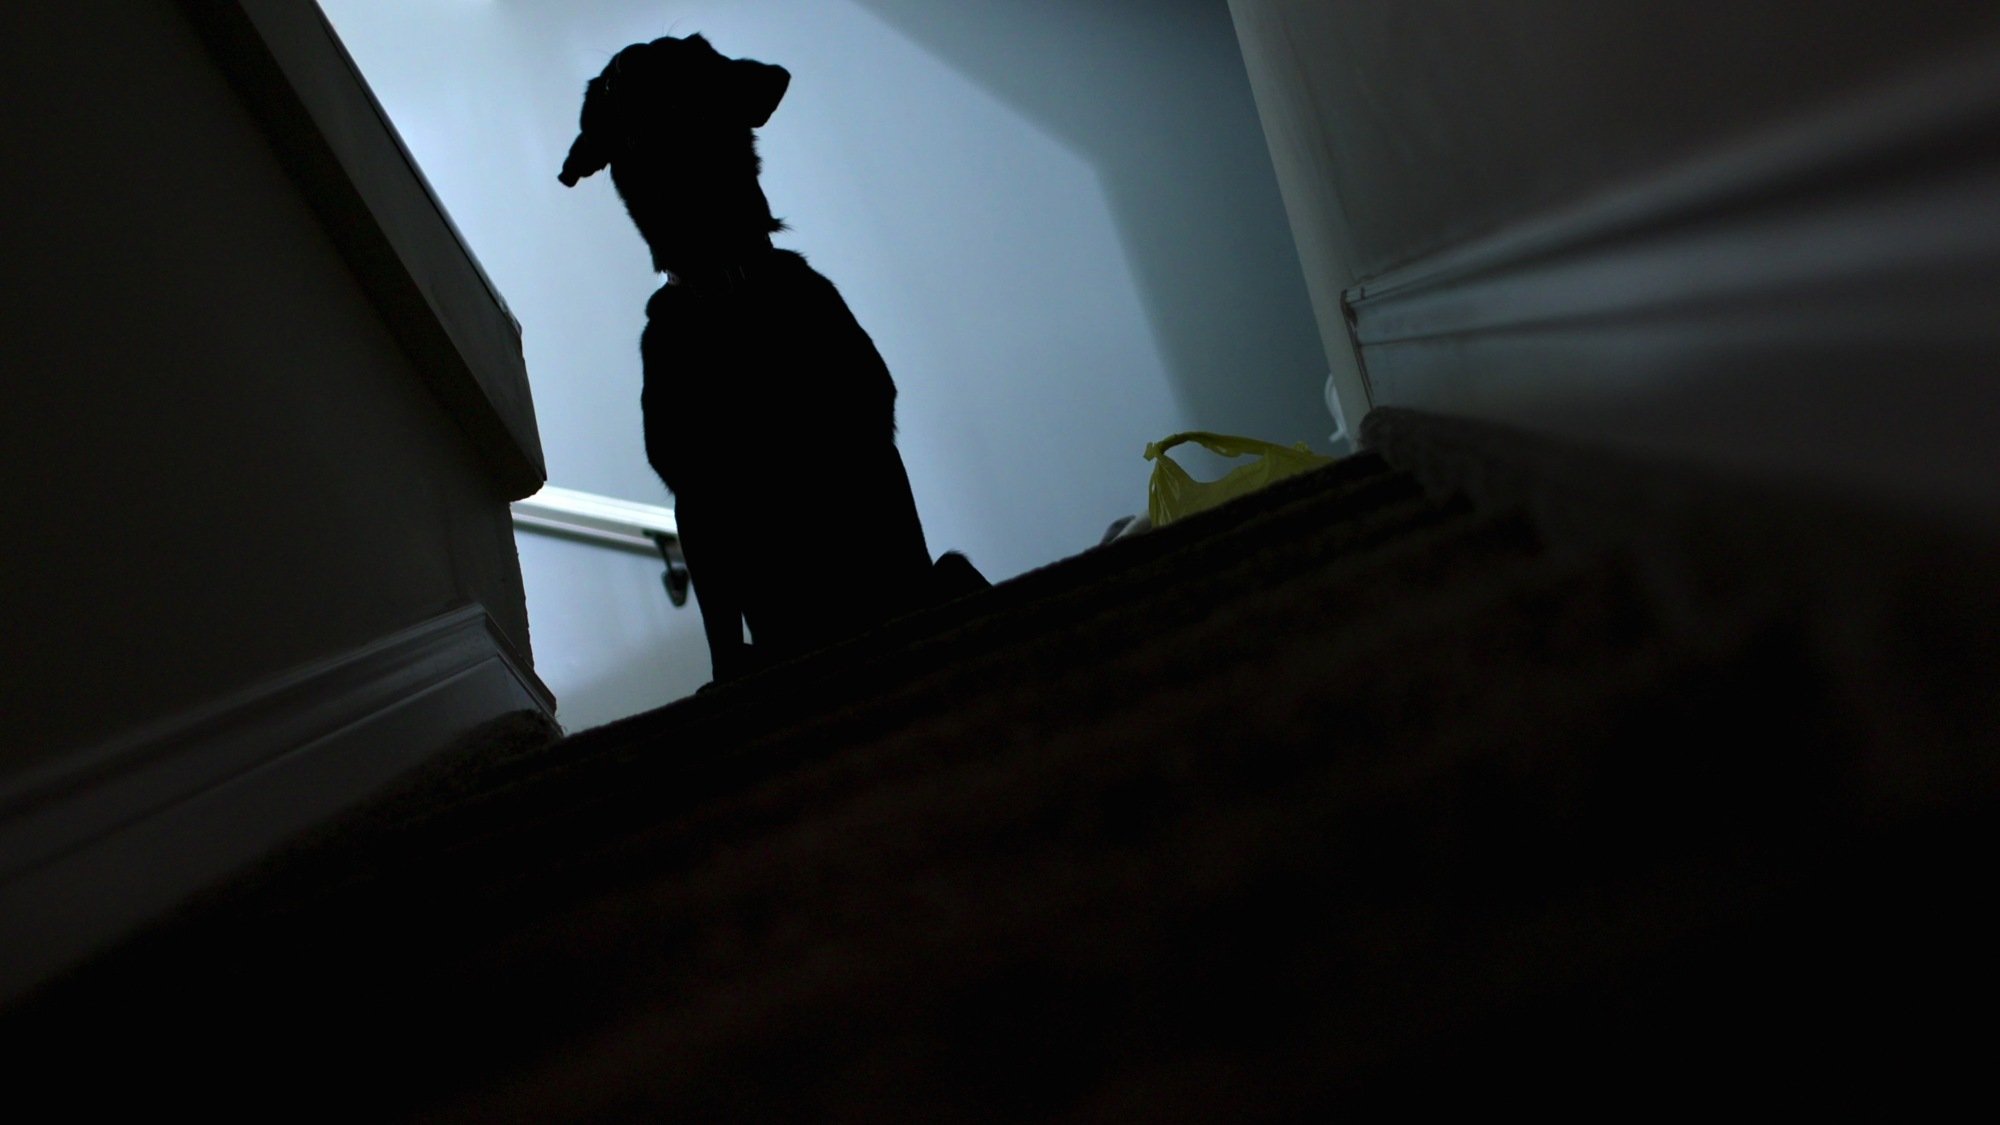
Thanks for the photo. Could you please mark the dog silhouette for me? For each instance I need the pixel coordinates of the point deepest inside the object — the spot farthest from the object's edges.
(768, 411)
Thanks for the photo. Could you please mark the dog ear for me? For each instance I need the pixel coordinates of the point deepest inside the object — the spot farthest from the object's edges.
(585, 158)
(758, 88)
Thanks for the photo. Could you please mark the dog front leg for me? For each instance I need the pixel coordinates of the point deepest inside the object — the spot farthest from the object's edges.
(716, 592)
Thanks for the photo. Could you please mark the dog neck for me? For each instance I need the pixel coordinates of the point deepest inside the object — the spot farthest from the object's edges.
(699, 211)
(721, 272)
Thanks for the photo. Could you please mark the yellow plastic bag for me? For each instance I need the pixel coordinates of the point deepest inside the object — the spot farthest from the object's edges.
(1173, 493)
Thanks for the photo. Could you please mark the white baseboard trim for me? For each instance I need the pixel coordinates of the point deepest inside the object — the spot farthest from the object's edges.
(1810, 305)
(119, 834)
(1893, 181)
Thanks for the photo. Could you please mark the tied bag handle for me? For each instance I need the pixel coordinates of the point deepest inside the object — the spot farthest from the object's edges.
(1173, 494)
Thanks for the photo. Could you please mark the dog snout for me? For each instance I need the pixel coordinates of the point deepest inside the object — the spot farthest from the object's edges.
(585, 158)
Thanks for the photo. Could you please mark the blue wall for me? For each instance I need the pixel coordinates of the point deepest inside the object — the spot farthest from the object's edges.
(1058, 221)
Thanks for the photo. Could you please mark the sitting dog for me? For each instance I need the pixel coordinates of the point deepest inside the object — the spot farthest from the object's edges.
(768, 411)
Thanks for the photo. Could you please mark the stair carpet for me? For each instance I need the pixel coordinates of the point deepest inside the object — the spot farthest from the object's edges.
(1474, 768)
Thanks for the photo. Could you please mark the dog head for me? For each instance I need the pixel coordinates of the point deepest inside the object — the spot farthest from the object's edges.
(651, 90)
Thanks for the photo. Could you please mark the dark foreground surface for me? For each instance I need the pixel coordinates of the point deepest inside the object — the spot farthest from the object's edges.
(1559, 783)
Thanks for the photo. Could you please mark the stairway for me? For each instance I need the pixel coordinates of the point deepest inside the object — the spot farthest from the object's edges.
(1471, 770)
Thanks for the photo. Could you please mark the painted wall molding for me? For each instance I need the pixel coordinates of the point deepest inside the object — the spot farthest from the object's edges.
(1881, 202)
(340, 147)
(118, 834)
(1813, 301)
(1269, 41)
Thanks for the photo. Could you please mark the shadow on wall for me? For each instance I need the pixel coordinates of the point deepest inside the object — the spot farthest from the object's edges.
(1202, 224)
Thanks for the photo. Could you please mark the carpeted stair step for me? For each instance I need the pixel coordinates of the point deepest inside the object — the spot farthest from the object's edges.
(680, 753)
(1482, 768)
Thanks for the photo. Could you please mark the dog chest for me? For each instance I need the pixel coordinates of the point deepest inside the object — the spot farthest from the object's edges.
(775, 370)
